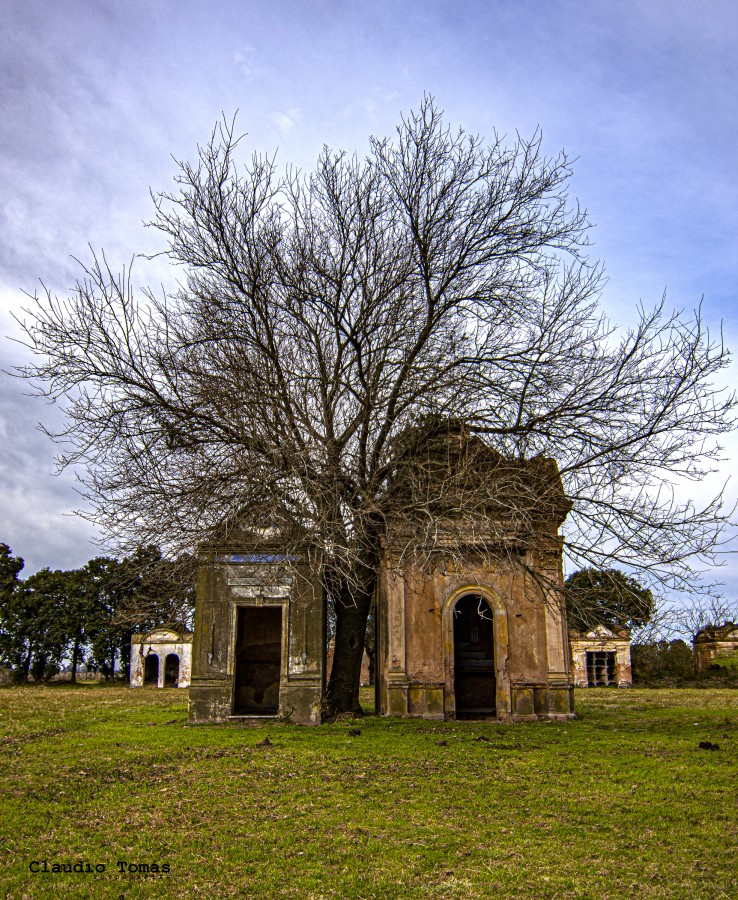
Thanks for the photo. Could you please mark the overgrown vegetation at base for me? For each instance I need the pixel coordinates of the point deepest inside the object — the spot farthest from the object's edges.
(621, 803)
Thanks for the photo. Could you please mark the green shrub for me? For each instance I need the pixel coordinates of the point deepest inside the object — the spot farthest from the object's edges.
(671, 664)
(661, 659)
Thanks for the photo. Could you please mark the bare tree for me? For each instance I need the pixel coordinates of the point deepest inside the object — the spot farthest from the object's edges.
(327, 322)
(695, 613)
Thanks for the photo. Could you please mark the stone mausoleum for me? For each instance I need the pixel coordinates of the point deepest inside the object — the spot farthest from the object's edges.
(716, 645)
(470, 617)
(601, 657)
(259, 648)
(471, 623)
(161, 658)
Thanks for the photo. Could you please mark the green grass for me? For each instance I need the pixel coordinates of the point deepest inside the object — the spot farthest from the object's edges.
(728, 661)
(621, 803)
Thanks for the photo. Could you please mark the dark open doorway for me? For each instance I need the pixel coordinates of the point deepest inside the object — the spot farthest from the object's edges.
(151, 669)
(258, 660)
(474, 658)
(171, 670)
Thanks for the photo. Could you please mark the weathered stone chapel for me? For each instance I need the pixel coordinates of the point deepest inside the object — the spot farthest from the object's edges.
(469, 612)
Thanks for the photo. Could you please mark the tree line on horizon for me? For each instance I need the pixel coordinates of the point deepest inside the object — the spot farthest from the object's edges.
(86, 616)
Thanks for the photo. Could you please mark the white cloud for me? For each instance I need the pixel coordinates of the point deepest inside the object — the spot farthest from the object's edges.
(286, 121)
(246, 61)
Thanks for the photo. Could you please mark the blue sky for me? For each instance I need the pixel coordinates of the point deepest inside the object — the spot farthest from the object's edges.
(96, 98)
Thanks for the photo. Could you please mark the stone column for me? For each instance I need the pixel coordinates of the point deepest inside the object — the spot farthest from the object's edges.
(396, 674)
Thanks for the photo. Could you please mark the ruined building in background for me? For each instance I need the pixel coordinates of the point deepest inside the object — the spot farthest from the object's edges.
(601, 657)
(161, 658)
(469, 599)
(716, 645)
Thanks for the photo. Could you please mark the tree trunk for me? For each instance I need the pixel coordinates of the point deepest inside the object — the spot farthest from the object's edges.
(352, 611)
(38, 666)
(125, 655)
(75, 656)
(23, 669)
(342, 693)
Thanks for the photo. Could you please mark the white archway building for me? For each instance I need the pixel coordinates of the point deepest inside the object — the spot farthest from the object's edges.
(161, 658)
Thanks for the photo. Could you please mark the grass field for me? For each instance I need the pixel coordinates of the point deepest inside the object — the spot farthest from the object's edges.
(621, 803)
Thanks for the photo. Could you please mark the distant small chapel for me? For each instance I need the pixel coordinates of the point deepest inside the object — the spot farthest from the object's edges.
(161, 658)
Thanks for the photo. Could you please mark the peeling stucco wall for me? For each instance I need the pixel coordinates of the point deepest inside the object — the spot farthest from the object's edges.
(601, 640)
(415, 667)
(711, 644)
(243, 576)
(161, 642)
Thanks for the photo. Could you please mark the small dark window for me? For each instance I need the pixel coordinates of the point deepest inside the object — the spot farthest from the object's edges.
(601, 669)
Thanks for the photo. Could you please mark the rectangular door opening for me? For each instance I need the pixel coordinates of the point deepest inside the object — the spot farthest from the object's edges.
(258, 661)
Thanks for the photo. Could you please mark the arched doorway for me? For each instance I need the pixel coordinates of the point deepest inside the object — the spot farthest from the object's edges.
(151, 669)
(474, 658)
(171, 670)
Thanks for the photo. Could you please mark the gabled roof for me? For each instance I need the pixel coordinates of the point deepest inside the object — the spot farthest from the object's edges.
(163, 635)
(601, 633)
(728, 631)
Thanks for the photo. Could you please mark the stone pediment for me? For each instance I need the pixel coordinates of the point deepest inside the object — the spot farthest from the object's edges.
(600, 633)
(442, 467)
(728, 631)
(165, 636)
